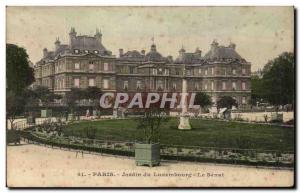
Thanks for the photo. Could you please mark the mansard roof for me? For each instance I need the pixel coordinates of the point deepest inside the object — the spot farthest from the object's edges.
(189, 58)
(82, 43)
(154, 56)
(134, 56)
(222, 53)
(87, 43)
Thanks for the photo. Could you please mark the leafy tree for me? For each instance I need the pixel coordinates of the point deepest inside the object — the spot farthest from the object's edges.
(257, 92)
(14, 106)
(150, 122)
(19, 74)
(94, 94)
(278, 80)
(72, 97)
(44, 95)
(203, 99)
(226, 102)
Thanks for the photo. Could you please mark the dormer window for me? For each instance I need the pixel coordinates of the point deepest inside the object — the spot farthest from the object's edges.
(86, 51)
(96, 51)
(76, 51)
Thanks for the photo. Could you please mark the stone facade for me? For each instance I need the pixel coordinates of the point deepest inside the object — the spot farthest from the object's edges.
(86, 62)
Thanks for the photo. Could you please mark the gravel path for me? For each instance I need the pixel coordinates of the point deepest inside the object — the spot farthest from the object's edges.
(37, 166)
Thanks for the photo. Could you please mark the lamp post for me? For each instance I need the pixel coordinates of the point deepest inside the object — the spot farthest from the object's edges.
(184, 123)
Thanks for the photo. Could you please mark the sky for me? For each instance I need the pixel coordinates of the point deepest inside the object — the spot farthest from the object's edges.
(260, 33)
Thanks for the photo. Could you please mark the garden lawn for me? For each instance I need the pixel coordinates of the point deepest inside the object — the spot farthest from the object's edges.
(205, 133)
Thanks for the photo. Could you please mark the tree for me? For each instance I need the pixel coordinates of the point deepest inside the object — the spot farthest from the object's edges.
(257, 90)
(72, 97)
(226, 102)
(14, 106)
(45, 95)
(279, 81)
(19, 74)
(150, 122)
(203, 99)
(94, 94)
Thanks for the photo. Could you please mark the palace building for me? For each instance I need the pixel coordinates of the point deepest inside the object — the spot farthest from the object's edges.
(85, 62)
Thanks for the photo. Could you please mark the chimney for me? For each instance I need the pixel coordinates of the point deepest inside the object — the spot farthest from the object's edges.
(72, 36)
(121, 52)
(45, 52)
(143, 52)
(57, 43)
(214, 45)
(153, 48)
(232, 45)
(181, 52)
(170, 59)
(198, 52)
(98, 35)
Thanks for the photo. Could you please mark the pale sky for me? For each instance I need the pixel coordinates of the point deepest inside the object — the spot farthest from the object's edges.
(260, 33)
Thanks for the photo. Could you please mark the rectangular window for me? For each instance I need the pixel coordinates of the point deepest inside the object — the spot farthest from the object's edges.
(125, 84)
(174, 85)
(76, 82)
(223, 85)
(105, 67)
(105, 84)
(91, 66)
(200, 71)
(138, 84)
(188, 72)
(205, 71)
(160, 84)
(77, 66)
(131, 70)
(223, 71)
(152, 84)
(154, 71)
(243, 71)
(166, 71)
(91, 81)
(196, 86)
(233, 85)
(212, 71)
(243, 100)
(243, 85)
(60, 84)
(205, 86)
(212, 85)
(234, 71)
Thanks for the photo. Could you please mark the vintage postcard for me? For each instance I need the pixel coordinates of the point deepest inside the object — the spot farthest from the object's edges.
(150, 96)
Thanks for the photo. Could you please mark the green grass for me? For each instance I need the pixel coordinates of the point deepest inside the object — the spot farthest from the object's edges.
(205, 133)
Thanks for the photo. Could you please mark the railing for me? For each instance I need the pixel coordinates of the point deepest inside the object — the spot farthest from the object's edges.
(254, 157)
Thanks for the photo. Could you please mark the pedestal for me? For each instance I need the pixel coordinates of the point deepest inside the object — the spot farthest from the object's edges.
(184, 123)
